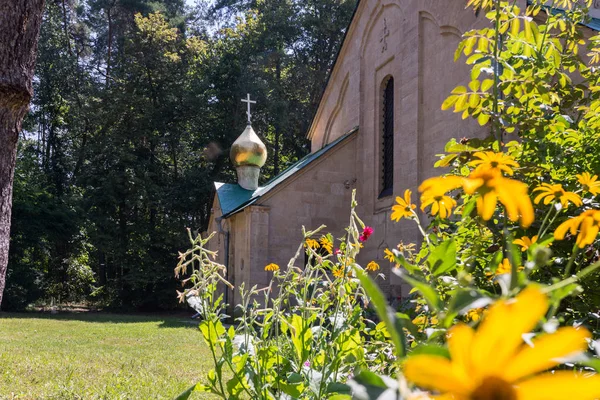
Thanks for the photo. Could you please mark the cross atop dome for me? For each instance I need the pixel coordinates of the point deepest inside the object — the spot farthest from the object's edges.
(248, 102)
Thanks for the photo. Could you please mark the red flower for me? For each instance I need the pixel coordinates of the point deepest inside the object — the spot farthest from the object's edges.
(337, 251)
(368, 231)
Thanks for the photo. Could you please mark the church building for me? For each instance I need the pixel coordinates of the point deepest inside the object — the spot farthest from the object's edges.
(378, 128)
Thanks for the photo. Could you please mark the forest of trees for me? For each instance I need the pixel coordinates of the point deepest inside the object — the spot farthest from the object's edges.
(135, 106)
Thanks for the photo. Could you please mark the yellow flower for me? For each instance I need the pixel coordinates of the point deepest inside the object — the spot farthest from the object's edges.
(494, 363)
(312, 243)
(588, 223)
(589, 182)
(272, 267)
(372, 266)
(357, 245)
(556, 192)
(525, 242)
(424, 320)
(326, 244)
(338, 272)
(491, 160)
(404, 208)
(490, 186)
(406, 247)
(475, 314)
(440, 204)
(388, 255)
(505, 268)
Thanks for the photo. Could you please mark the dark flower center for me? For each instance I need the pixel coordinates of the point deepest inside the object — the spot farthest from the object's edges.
(493, 388)
(494, 164)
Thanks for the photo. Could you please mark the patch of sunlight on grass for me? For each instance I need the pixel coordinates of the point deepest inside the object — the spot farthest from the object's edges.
(99, 356)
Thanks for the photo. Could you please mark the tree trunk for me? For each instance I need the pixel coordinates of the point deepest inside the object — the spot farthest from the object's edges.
(20, 22)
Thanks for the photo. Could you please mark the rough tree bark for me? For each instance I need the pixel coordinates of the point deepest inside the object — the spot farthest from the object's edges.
(20, 22)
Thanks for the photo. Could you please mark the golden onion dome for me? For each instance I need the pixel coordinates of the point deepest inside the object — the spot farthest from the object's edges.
(248, 149)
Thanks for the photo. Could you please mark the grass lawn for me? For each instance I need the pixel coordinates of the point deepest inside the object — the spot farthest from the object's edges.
(99, 356)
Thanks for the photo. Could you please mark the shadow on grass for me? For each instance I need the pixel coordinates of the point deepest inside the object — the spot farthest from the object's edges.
(179, 320)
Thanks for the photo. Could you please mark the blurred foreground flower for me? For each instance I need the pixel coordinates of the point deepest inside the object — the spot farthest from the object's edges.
(588, 223)
(490, 187)
(493, 363)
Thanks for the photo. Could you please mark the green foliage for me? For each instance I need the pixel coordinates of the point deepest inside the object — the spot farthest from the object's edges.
(303, 336)
(536, 91)
(136, 105)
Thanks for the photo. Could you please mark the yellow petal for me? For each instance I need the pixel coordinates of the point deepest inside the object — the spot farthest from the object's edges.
(561, 385)
(545, 350)
(436, 373)
(500, 333)
(561, 231)
(486, 205)
(460, 339)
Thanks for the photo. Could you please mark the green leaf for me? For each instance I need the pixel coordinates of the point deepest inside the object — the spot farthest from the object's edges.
(449, 102)
(185, 395)
(339, 388)
(431, 349)
(367, 385)
(443, 258)
(427, 291)
(385, 313)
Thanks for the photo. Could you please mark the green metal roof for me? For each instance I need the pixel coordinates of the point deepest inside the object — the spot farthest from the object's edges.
(234, 198)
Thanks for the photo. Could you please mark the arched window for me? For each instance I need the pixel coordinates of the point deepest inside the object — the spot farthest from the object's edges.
(387, 140)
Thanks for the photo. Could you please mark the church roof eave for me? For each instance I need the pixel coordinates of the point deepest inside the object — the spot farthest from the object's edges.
(234, 199)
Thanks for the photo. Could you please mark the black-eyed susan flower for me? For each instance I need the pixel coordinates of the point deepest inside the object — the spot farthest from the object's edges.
(505, 268)
(404, 207)
(372, 266)
(272, 267)
(493, 362)
(388, 255)
(588, 224)
(338, 272)
(440, 204)
(491, 160)
(311, 243)
(525, 242)
(590, 183)
(490, 187)
(326, 244)
(555, 192)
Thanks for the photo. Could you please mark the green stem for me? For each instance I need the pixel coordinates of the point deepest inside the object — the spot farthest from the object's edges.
(545, 220)
(571, 262)
(495, 125)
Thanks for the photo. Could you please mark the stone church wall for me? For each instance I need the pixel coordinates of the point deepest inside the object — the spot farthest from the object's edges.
(412, 41)
(319, 194)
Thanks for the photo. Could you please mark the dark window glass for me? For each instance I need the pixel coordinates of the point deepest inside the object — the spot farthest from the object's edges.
(387, 145)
